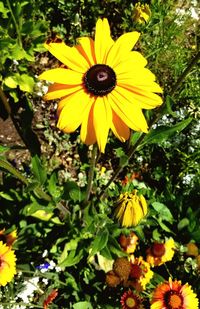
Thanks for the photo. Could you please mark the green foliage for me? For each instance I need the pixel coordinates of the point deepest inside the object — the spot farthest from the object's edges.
(43, 179)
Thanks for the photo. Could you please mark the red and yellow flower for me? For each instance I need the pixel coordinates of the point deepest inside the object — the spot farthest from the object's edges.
(174, 295)
(103, 85)
(140, 274)
(130, 300)
(160, 253)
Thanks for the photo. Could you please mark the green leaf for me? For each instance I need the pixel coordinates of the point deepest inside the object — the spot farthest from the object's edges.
(162, 133)
(3, 10)
(183, 223)
(163, 211)
(4, 148)
(72, 258)
(38, 170)
(11, 82)
(82, 305)
(100, 241)
(26, 83)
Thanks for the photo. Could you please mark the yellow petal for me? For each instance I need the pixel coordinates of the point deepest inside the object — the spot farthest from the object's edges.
(139, 75)
(56, 91)
(72, 110)
(129, 112)
(103, 40)
(140, 97)
(62, 76)
(70, 56)
(102, 120)
(133, 59)
(122, 47)
(88, 135)
(119, 128)
(86, 48)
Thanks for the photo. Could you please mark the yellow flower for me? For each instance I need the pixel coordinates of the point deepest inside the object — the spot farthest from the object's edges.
(8, 238)
(160, 253)
(140, 274)
(174, 295)
(7, 264)
(130, 209)
(129, 300)
(103, 85)
(141, 13)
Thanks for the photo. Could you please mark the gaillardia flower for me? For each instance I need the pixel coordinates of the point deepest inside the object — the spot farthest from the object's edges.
(129, 300)
(128, 243)
(8, 238)
(174, 295)
(160, 253)
(103, 85)
(7, 264)
(131, 208)
(140, 274)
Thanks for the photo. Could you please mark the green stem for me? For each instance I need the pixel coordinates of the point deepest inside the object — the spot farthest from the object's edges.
(155, 118)
(91, 174)
(15, 23)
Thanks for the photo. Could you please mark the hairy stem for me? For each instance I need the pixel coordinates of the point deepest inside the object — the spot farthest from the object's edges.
(154, 119)
(91, 174)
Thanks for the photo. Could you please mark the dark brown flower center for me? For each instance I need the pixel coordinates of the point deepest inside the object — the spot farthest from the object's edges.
(173, 300)
(158, 249)
(99, 80)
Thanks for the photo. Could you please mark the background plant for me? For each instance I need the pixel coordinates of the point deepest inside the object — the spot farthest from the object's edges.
(42, 192)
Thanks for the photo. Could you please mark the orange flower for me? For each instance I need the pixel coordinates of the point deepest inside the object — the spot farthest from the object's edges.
(129, 300)
(174, 295)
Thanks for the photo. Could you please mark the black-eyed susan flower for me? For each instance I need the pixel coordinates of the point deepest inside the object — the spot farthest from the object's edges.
(140, 274)
(131, 208)
(8, 238)
(7, 264)
(141, 13)
(103, 85)
(130, 300)
(128, 243)
(174, 295)
(160, 253)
